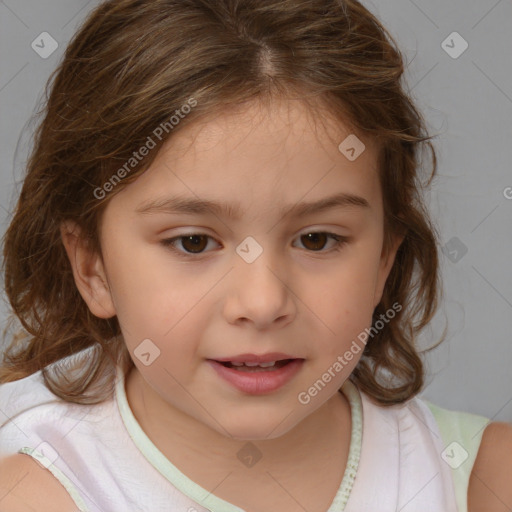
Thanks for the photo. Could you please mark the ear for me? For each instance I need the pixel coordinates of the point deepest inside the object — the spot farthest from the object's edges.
(386, 264)
(88, 271)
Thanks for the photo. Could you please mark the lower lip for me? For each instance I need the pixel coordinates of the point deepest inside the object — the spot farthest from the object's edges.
(258, 382)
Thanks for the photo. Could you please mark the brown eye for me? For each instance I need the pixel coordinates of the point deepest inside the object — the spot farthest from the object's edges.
(194, 243)
(314, 241)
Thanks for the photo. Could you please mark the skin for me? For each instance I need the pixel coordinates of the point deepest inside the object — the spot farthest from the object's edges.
(294, 299)
(285, 300)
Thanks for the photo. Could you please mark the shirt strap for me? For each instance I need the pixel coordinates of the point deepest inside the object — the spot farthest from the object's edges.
(462, 433)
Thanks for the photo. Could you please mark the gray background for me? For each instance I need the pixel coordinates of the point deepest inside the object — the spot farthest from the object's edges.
(466, 100)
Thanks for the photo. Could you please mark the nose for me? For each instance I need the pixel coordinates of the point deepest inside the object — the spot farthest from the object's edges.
(259, 293)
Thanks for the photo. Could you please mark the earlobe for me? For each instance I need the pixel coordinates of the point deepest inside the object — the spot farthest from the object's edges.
(88, 271)
(386, 264)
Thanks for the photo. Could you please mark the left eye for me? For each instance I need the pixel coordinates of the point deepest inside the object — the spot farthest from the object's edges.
(195, 243)
(318, 238)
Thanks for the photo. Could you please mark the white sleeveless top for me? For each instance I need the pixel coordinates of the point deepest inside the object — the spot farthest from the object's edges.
(397, 458)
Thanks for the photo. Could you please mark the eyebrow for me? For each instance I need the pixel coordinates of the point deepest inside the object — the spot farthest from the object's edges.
(193, 206)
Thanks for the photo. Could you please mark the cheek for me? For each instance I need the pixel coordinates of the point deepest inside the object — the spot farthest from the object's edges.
(344, 302)
(158, 299)
(148, 290)
(351, 282)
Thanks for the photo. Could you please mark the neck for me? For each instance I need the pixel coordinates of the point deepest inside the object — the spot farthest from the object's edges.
(189, 443)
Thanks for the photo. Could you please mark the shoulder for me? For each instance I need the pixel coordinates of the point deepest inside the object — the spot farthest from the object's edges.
(490, 485)
(22, 395)
(33, 414)
(31, 409)
(27, 486)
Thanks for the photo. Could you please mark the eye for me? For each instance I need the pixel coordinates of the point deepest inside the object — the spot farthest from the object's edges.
(316, 240)
(195, 243)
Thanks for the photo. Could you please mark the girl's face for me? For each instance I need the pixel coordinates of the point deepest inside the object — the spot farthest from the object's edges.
(253, 282)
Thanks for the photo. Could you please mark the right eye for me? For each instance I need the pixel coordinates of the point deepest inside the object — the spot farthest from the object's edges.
(193, 243)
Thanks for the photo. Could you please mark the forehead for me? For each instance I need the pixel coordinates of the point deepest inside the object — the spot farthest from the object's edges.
(282, 127)
(261, 157)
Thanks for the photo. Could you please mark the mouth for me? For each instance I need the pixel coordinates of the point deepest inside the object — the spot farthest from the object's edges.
(257, 378)
(256, 367)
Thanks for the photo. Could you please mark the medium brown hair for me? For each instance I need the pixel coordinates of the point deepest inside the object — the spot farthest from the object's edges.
(129, 67)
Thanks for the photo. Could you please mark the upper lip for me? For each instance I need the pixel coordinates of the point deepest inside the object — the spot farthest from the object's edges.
(254, 358)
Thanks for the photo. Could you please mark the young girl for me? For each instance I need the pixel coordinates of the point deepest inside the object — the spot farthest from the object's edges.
(221, 261)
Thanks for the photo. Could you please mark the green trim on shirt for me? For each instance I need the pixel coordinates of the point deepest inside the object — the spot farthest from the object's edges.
(206, 498)
(462, 433)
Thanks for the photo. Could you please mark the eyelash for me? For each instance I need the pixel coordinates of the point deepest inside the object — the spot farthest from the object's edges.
(341, 241)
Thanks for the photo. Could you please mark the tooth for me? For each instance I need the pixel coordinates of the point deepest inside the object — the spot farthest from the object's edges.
(252, 365)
